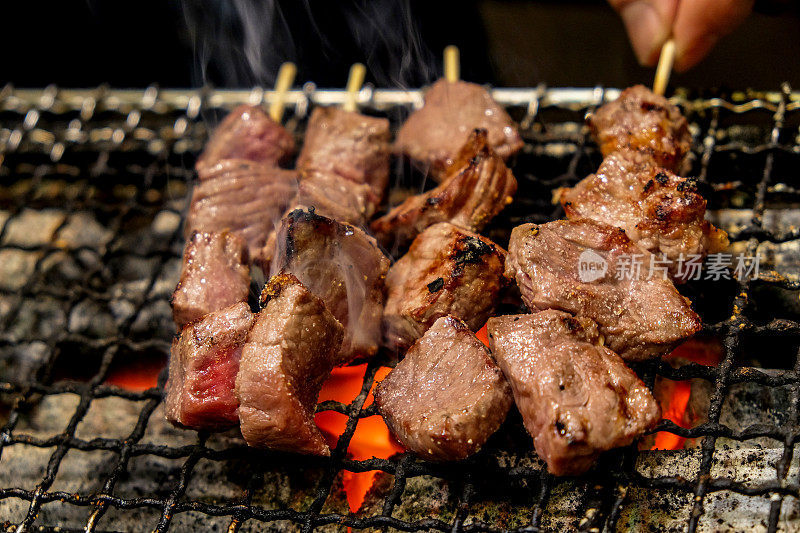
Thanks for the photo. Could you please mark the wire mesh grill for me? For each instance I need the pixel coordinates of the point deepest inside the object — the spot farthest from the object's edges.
(122, 159)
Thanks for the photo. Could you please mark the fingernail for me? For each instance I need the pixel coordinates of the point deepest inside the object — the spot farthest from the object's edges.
(646, 29)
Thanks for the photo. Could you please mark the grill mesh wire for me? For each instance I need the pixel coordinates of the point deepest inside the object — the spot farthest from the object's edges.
(125, 155)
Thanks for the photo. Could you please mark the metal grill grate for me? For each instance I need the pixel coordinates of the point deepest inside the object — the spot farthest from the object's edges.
(121, 159)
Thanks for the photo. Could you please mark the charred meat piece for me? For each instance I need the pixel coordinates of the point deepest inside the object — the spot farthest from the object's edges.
(594, 270)
(289, 353)
(243, 197)
(434, 134)
(642, 120)
(477, 187)
(248, 133)
(203, 363)
(658, 210)
(215, 274)
(447, 271)
(577, 398)
(447, 396)
(342, 265)
(350, 145)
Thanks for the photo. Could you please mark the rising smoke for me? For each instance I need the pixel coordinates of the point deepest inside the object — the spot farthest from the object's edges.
(241, 43)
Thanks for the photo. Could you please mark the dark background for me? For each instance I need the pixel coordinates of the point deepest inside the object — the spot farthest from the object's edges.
(133, 43)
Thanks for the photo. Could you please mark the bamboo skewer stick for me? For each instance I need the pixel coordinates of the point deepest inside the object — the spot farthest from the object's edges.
(354, 82)
(452, 64)
(664, 68)
(283, 83)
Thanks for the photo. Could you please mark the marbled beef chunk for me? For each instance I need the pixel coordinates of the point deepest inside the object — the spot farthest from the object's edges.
(641, 314)
(203, 363)
(477, 187)
(349, 145)
(342, 265)
(577, 398)
(243, 197)
(215, 274)
(447, 396)
(658, 210)
(642, 120)
(447, 271)
(434, 134)
(248, 133)
(288, 354)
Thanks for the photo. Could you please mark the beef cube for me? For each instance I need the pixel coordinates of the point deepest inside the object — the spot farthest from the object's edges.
(350, 145)
(203, 363)
(334, 197)
(447, 271)
(215, 275)
(642, 120)
(589, 269)
(342, 265)
(434, 134)
(243, 197)
(447, 396)
(577, 398)
(477, 187)
(288, 354)
(658, 210)
(248, 133)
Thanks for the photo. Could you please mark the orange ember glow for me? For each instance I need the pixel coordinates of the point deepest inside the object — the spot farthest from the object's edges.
(707, 352)
(371, 438)
(675, 411)
(483, 335)
(137, 375)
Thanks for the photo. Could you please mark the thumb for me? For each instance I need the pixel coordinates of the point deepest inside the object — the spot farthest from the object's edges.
(649, 24)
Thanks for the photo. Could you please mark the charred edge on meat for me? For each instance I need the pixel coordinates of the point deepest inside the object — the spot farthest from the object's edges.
(321, 224)
(436, 285)
(652, 106)
(471, 250)
(275, 286)
(433, 200)
(572, 324)
(687, 185)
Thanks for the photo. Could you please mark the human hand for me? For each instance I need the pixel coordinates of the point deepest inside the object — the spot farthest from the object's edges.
(696, 26)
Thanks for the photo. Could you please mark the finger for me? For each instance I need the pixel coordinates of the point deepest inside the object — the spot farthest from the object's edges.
(699, 24)
(648, 23)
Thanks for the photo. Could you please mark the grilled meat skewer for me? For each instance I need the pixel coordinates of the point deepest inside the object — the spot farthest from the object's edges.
(658, 210)
(478, 186)
(434, 134)
(577, 398)
(288, 354)
(248, 133)
(643, 121)
(203, 364)
(214, 275)
(447, 271)
(594, 270)
(447, 396)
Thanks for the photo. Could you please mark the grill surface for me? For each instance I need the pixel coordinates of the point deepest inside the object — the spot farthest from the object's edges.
(93, 188)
